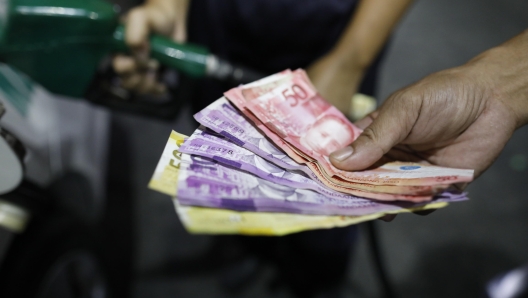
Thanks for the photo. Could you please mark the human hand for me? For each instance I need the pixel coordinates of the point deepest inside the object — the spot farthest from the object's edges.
(165, 17)
(336, 80)
(461, 117)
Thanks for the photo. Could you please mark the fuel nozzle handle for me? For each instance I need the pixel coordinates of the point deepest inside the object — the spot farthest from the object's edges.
(190, 59)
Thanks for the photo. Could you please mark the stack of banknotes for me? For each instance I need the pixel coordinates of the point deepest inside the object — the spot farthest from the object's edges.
(259, 165)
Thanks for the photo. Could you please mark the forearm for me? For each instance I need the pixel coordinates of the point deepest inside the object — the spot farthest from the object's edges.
(368, 30)
(504, 69)
(515, 79)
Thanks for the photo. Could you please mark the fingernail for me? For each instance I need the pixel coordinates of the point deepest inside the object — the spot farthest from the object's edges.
(342, 154)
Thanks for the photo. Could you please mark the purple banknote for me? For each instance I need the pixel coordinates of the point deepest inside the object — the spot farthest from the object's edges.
(205, 182)
(207, 143)
(223, 118)
(204, 142)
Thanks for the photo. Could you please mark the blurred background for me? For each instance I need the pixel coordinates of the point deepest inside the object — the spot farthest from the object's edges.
(452, 252)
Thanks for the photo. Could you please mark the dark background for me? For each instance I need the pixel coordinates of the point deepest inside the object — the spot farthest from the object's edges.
(450, 253)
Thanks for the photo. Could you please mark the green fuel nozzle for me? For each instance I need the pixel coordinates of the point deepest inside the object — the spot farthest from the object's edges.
(61, 43)
(188, 58)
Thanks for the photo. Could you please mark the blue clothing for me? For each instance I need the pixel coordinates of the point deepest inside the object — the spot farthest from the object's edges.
(269, 35)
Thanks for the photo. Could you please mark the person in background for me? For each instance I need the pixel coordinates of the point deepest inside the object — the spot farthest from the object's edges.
(338, 42)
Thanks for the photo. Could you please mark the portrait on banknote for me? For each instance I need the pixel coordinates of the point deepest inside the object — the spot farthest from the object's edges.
(327, 135)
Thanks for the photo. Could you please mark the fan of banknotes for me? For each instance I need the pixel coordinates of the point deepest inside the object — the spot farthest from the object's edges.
(259, 165)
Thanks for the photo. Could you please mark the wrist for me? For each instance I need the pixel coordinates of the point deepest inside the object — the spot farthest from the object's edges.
(504, 71)
(352, 57)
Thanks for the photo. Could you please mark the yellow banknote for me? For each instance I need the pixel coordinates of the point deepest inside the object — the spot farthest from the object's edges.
(165, 177)
(201, 220)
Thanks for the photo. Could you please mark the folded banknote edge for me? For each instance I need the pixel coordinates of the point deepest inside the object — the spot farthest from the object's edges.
(274, 231)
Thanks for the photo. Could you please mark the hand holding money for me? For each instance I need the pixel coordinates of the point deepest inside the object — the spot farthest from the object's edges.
(268, 154)
(284, 130)
(288, 110)
(460, 117)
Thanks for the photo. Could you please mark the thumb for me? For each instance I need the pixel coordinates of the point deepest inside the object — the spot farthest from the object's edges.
(391, 126)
